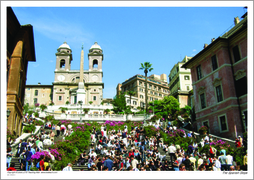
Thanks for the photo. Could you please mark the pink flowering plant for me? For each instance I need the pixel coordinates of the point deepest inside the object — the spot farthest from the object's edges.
(37, 105)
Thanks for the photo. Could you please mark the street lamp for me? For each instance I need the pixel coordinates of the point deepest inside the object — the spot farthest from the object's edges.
(243, 117)
(144, 113)
(8, 112)
(80, 102)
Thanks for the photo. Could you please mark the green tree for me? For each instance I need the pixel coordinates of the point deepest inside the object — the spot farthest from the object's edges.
(168, 106)
(25, 108)
(147, 67)
(131, 93)
(119, 103)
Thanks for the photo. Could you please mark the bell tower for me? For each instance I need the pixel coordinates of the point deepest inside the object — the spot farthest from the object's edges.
(95, 57)
(63, 58)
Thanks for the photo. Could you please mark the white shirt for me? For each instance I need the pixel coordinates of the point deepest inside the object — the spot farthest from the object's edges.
(229, 159)
(67, 168)
(172, 149)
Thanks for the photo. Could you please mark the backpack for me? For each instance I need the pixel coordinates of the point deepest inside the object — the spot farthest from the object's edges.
(38, 165)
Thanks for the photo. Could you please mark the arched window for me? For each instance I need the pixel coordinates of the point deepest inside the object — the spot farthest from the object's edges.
(95, 64)
(62, 63)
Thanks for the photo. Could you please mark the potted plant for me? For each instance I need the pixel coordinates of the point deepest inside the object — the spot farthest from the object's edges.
(85, 110)
(36, 114)
(106, 111)
(90, 102)
(63, 109)
(67, 102)
(51, 103)
(202, 130)
(43, 107)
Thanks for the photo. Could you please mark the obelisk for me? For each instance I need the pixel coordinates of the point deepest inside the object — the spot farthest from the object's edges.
(81, 94)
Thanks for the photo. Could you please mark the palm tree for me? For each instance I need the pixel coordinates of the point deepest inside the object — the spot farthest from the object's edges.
(147, 67)
(131, 93)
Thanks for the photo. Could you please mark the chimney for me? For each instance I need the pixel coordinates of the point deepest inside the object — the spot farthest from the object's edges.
(236, 20)
(39, 83)
(205, 45)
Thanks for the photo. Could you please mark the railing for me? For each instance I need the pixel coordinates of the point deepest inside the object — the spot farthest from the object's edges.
(98, 117)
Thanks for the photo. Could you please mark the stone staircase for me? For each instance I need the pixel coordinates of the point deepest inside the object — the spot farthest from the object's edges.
(17, 163)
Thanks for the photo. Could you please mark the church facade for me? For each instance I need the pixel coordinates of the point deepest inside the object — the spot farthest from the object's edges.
(66, 82)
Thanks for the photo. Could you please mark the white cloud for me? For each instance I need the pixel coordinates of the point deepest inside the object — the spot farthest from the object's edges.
(194, 50)
(59, 30)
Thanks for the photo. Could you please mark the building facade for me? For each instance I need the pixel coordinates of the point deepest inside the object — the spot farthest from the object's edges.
(65, 85)
(20, 50)
(41, 94)
(157, 88)
(219, 77)
(180, 83)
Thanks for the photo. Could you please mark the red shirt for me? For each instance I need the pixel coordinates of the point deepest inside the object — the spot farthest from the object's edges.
(41, 165)
(11, 169)
(131, 153)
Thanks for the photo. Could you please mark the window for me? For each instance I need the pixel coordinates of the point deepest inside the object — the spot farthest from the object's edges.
(151, 98)
(236, 53)
(60, 89)
(128, 101)
(134, 102)
(223, 123)
(199, 73)
(154, 87)
(188, 88)
(94, 90)
(141, 96)
(219, 93)
(140, 83)
(36, 92)
(94, 98)
(95, 64)
(241, 86)
(214, 62)
(150, 86)
(202, 100)
(62, 63)
(60, 98)
(35, 100)
(187, 77)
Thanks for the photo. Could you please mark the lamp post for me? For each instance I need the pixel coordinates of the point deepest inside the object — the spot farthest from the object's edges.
(243, 117)
(8, 112)
(144, 114)
(80, 102)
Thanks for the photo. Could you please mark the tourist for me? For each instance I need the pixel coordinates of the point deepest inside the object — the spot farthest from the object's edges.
(223, 161)
(68, 167)
(108, 163)
(28, 155)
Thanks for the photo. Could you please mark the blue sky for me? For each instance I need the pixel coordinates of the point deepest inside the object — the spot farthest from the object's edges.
(128, 36)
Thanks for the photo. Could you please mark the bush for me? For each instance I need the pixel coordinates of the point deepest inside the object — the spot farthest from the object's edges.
(29, 128)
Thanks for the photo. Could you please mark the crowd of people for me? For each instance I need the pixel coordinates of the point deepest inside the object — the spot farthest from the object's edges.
(118, 150)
